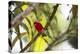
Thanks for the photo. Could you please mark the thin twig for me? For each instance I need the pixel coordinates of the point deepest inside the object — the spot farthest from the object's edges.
(16, 38)
(18, 34)
(17, 20)
(51, 17)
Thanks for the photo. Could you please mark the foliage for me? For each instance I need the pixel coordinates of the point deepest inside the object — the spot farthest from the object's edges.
(58, 29)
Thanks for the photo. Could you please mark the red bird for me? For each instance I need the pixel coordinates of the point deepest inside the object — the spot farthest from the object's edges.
(38, 27)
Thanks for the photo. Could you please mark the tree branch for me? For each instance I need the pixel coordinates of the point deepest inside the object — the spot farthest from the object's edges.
(32, 41)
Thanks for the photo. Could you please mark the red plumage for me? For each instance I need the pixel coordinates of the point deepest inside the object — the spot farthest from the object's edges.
(38, 26)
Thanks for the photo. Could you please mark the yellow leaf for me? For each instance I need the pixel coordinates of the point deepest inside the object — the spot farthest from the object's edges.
(39, 44)
(24, 7)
